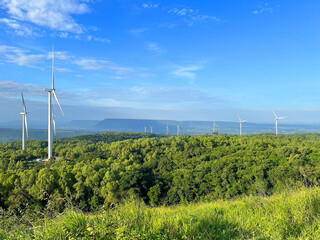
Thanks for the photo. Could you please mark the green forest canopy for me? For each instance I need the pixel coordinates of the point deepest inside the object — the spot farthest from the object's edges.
(102, 170)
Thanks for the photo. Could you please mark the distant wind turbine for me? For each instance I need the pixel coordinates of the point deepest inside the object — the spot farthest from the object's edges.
(167, 129)
(214, 126)
(178, 130)
(145, 129)
(277, 118)
(51, 117)
(241, 121)
(24, 122)
(150, 129)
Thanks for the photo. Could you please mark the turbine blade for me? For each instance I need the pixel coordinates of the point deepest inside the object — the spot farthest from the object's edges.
(54, 126)
(53, 121)
(275, 114)
(24, 105)
(243, 121)
(26, 123)
(239, 117)
(281, 118)
(55, 96)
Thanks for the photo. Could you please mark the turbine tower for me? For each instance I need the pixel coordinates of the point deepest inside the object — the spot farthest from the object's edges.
(51, 117)
(24, 122)
(145, 129)
(214, 126)
(178, 130)
(277, 118)
(167, 129)
(150, 129)
(241, 121)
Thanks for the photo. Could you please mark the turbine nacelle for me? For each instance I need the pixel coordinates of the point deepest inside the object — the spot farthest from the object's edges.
(48, 89)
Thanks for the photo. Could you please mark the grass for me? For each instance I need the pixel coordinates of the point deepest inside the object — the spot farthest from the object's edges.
(289, 215)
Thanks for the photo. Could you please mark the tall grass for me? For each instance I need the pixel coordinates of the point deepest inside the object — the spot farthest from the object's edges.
(289, 215)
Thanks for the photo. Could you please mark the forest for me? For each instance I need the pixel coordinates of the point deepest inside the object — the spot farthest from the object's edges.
(99, 171)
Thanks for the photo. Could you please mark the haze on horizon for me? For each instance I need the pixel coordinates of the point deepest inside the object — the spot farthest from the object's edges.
(190, 60)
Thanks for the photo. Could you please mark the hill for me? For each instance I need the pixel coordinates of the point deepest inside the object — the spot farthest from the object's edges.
(137, 125)
(38, 130)
(102, 171)
(13, 134)
(289, 215)
(199, 127)
(99, 170)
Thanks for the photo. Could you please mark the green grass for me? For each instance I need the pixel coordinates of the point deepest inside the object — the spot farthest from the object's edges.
(289, 215)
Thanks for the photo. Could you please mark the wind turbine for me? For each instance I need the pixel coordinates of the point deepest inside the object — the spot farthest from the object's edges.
(51, 117)
(277, 118)
(145, 129)
(178, 130)
(214, 126)
(150, 129)
(167, 129)
(24, 122)
(241, 121)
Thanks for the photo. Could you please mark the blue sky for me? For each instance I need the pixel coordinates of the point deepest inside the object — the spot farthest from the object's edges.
(180, 60)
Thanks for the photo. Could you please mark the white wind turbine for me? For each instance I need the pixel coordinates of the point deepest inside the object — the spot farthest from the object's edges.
(51, 117)
(241, 121)
(24, 122)
(178, 130)
(167, 129)
(214, 126)
(277, 118)
(150, 129)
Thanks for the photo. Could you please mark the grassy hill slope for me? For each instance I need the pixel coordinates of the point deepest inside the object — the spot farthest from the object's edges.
(289, 215)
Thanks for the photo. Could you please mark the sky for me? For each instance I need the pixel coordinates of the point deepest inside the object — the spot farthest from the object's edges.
(177, 59)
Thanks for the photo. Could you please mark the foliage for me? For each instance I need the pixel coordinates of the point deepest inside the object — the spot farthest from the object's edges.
(98, 171)
(289, 215)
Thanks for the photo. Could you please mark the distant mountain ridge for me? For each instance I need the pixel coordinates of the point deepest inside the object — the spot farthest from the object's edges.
(11, 131)
(136, 125)
(198, 127)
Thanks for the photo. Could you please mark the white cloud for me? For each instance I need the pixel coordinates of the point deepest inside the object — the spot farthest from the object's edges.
(192, 16)
(20, 57)
(137, 31)
(182, 12)
(265, 8)
(97, 39)
(84, 37)
(13, 89)
(117, 72)
(155, 95)
(64, 35)
(53, 14)
(19, 29)
(63, 70)
(154, 47)
(103, 65)
(150, 5)
(61, 55)
(168, 25)
(186, 72)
